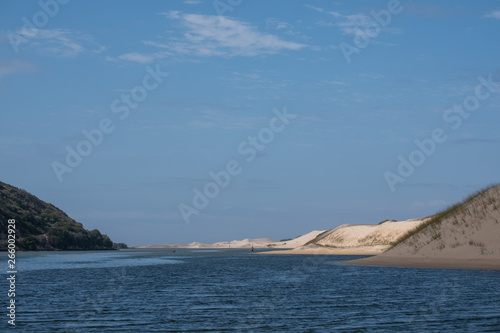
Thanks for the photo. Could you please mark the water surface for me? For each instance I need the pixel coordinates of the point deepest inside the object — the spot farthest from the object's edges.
(230, 290)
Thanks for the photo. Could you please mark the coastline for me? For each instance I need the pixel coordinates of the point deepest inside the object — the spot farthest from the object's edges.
(394, 261)
(412, 262)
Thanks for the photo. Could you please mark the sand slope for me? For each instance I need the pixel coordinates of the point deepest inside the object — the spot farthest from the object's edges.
(468, 232)
(366, 235)
(357, 239)
(299, 241)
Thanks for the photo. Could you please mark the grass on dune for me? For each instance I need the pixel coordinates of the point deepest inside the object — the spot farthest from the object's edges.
(439, 217)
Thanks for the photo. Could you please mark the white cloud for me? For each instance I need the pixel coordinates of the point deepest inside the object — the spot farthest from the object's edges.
(55, 42)
(216, 35)
(211, 35)
(192, 2)
(494, 14)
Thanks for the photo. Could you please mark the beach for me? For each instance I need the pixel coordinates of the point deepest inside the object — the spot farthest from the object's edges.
(448, 263)
(329, 251)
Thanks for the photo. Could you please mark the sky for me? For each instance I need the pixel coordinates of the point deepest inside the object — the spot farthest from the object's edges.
(165, 122)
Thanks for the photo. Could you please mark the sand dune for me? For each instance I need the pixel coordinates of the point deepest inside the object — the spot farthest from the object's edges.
(366, 235)
(466, 233)
(299, 241)
(245, 243)
(344, 239)
(357, 239)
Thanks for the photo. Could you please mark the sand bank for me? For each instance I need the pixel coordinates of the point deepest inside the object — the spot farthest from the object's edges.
(363, 250)
(388, 261)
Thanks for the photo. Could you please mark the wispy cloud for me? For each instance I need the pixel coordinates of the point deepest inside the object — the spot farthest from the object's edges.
(192, 2)
(214, 35)
(321, 10)
(277, 24)
(211, 35)
(57, 42)
(15, 66)
(494, 14)
(352, 24)
(286, 28)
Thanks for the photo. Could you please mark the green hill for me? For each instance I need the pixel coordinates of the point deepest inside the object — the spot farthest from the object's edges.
(42, 226)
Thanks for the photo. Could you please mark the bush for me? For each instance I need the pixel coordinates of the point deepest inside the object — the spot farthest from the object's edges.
(30, 243)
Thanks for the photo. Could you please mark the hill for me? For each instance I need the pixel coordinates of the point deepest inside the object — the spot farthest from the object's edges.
(355, 238)
(42, 226)
(465, 234)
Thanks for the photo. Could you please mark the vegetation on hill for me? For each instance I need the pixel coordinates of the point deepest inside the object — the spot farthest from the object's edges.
(452, 211)
(42, 226)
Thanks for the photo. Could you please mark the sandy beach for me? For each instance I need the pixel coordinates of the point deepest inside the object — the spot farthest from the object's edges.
(453, 263)
(364, 250)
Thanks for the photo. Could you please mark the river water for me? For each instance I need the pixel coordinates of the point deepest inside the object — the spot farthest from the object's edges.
(235, 291)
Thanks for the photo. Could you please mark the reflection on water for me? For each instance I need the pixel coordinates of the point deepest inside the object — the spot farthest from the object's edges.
(99, 259)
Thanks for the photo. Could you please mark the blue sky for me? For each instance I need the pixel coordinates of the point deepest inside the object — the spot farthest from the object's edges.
(220, 73)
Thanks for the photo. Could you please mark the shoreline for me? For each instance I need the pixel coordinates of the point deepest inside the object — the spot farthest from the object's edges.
(388, 261)
(362, 251)
(412, 262)
(375, 259)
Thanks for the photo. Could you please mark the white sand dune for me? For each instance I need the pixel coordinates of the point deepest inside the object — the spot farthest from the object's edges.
(299, 241)
(356, 238)
(344, 239)
(356, 235)
(245, 243)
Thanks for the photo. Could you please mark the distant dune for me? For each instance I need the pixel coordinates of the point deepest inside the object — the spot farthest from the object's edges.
(366, 239)
(245, 243)
(467, 235)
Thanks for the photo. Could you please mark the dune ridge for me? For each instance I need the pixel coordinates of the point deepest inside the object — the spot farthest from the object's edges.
(245, 243)
(357, 239)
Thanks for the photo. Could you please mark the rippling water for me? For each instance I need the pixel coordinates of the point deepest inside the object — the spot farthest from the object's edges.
(235, 291)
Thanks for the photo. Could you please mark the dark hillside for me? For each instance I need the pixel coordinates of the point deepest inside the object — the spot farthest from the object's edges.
(42, 226)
